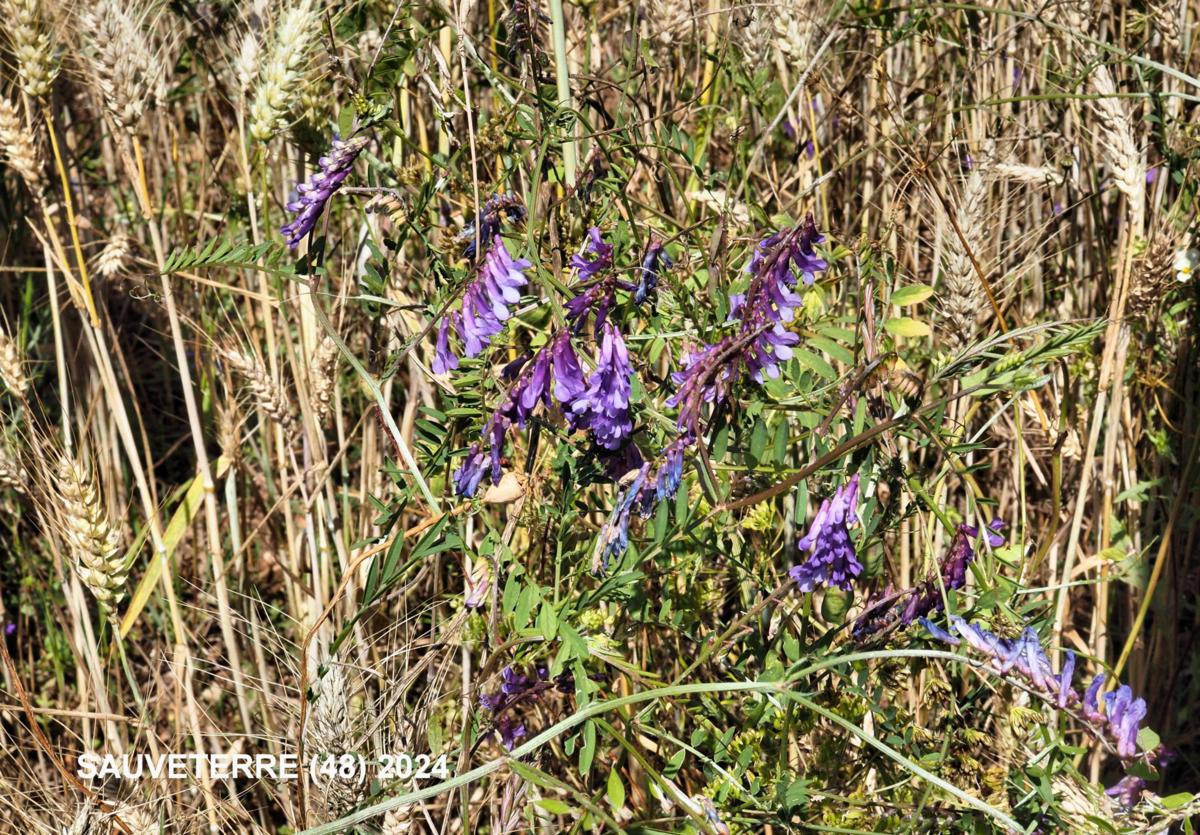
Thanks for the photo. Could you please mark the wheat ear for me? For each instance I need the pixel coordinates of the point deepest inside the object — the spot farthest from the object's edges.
(126, 68)
(283, 70)
(114, 257)
(17, 144)
(37, 62)
(267, 395)
(321, 377)
(328, 733)
(12, 370)
(94, 544)
(1114, 137)
(964, 300)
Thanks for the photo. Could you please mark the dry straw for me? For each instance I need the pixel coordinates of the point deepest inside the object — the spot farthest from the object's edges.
(94, 544)
(284, 70)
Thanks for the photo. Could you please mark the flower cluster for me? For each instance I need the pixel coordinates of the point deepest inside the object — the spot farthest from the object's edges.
(517, 688)
(832, 560)
(894, 609)
(598, 402)
(1122, 716)
(755, 348)
(485, 307)
(309, 199)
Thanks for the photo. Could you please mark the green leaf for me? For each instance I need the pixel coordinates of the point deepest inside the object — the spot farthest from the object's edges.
(554, 807)
(1147, 739)
(615, 792)
(907, 327)
(588, 752)
(910, 295)
(815, 363)
(1176, 801)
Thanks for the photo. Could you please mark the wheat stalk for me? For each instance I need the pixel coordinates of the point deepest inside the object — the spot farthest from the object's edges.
(12, 370)
(1114, 137)
(267, 395)
(963, 299)
(17, 144)
(126, 69)
(284, 70)
(94, 544)
(37, 63)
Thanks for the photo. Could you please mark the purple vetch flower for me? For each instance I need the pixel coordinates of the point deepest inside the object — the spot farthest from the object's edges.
(1125, 715)
(995, 532)
(1091, 706)
(604, 406)
(832, 561)
(602, 252)
(614, 535)
(477, 578)
(568, 375)
(1151, 175)
(10, 629)
(531, 388)
(516, 688)
(1127, 792)
(655, 259)
(309, 199)
(443, 358)
(511, 730)
(469, 473)
(939, 633)
(487, 299)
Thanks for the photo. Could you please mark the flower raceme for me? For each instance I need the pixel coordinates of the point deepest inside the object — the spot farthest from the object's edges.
(309, 199)
(902, 608)
(1119, 722)
(755, 349)
(485, 307)
(832, 560)
(599, 402)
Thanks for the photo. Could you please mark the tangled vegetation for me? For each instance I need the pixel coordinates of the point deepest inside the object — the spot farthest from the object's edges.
(641, 417)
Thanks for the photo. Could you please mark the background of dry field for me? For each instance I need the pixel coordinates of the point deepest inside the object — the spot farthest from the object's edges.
(227, 466)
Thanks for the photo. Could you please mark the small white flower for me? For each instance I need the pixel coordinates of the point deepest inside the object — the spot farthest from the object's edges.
(1186, 261)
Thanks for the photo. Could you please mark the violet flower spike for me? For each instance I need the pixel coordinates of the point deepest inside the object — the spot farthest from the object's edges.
(568, 375)
(487, 299)
(1091, 706)
(832, 560)
(604, 407)
(939, 633)
(444, 359)
(469, 473)
(1128, 791)
(309, 198)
